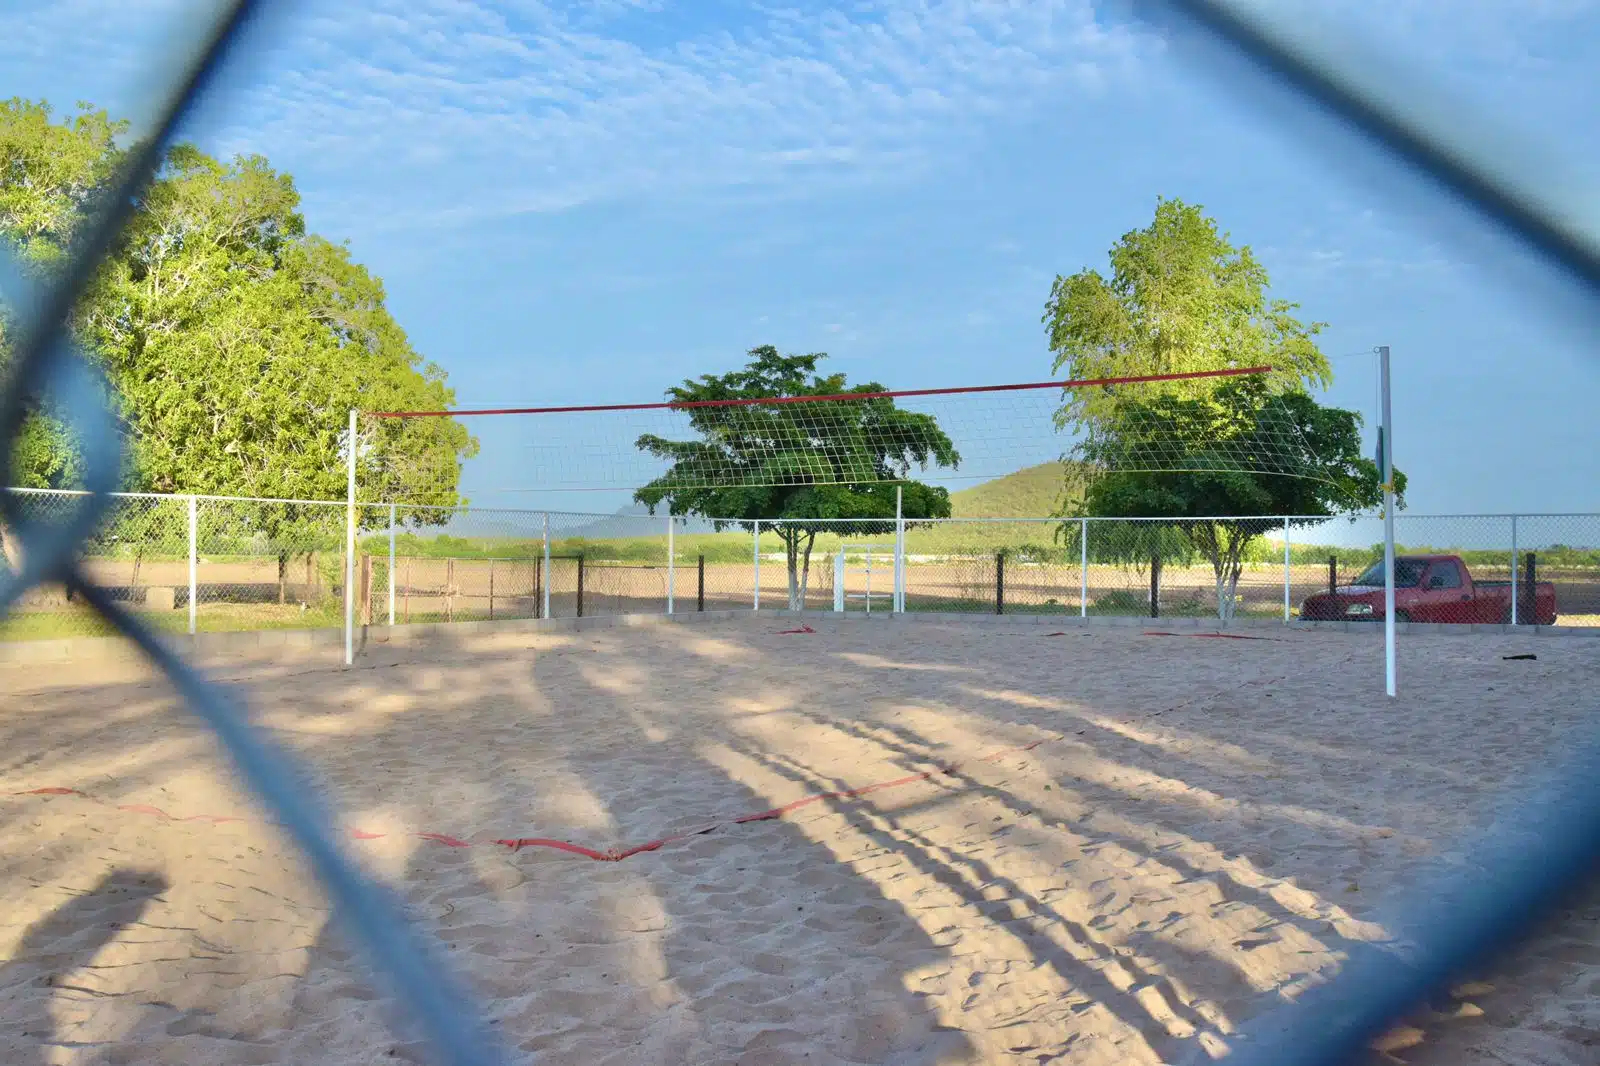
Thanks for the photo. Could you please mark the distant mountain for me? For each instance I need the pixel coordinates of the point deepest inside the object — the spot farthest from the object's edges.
(1033, 492)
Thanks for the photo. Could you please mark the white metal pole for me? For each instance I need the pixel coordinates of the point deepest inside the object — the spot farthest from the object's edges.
(755, 599)
(1285, 571)
(838, 579)
(897, 601)
(1388, 523)
(1083, 570)
(194, 558)
(544, 608)
(670, 560)
(1514, 569)
(350, 548)
(392, 516)
(869, 579)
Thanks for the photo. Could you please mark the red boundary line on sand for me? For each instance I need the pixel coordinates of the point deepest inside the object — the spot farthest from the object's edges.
(610, 855)
(592, 408)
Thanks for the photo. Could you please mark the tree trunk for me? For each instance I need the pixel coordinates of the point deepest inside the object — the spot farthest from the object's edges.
(283, 577)
(1155, 586)
(791, 551)
(805, 569)
(1233, 589)
(1227, 573)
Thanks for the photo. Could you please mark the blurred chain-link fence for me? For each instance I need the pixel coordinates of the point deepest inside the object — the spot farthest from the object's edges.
(208, 563)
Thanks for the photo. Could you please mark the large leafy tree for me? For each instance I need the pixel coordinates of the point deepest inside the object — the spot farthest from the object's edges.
(805, 463)
(1324, 474)
(1181, 297)
(50, 174)
(236, 340)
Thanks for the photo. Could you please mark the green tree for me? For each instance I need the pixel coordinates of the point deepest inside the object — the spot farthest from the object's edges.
(1325, 475)
(804, 463)
(236, 340)
(1180, 298)
(50, 173)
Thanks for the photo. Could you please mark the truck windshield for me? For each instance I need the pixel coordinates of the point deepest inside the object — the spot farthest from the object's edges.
(1407, 573)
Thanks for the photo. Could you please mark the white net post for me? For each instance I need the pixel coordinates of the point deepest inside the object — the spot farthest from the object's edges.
(1083, 568)
(671, 560)
(838, 582)
(1285, 571)
(898, 600)
(350, 546)
(391, 563)
(194, 561)
(755, 596)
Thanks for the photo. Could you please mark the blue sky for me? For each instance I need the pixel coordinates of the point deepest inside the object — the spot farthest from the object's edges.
(578, 203)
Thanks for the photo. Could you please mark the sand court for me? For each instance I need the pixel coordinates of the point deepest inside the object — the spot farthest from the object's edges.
(930, 843)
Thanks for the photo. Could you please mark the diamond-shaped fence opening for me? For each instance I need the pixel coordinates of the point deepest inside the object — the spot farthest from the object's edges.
(130, 564)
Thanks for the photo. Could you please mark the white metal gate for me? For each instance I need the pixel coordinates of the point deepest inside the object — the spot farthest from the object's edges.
(874, 559)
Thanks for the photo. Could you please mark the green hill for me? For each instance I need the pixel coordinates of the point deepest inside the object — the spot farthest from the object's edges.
(1033, 492)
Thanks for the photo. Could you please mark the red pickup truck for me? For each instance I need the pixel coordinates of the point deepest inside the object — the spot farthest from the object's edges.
(1433, 588)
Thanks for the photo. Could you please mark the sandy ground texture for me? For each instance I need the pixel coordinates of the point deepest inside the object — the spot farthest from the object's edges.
(1145, 841)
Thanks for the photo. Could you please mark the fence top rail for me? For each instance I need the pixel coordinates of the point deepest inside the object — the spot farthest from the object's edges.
(468, 509)
(186, 496)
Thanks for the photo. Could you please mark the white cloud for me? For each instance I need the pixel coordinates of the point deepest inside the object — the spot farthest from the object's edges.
(447, 110)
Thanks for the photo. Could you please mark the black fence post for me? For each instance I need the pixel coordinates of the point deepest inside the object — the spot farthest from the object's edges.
(999, 582)
(700, 587)
(580, 584)
(1155, 586)
(538, 588)
(1527, 613)
(1333, 573)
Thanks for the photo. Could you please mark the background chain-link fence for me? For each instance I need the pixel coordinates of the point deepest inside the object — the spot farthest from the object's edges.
(207, 563)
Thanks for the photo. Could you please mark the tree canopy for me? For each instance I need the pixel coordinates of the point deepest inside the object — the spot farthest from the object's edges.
(1330, 476)
(236, 340)
(1182, 298)
(818, 461)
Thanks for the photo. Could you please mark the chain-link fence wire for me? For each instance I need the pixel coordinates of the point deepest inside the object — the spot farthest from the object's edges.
(1554, 844)
(45, 369)
(267, 564)
(139, 554)
(1542, 847)
(1565, 551)
(263, 564)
